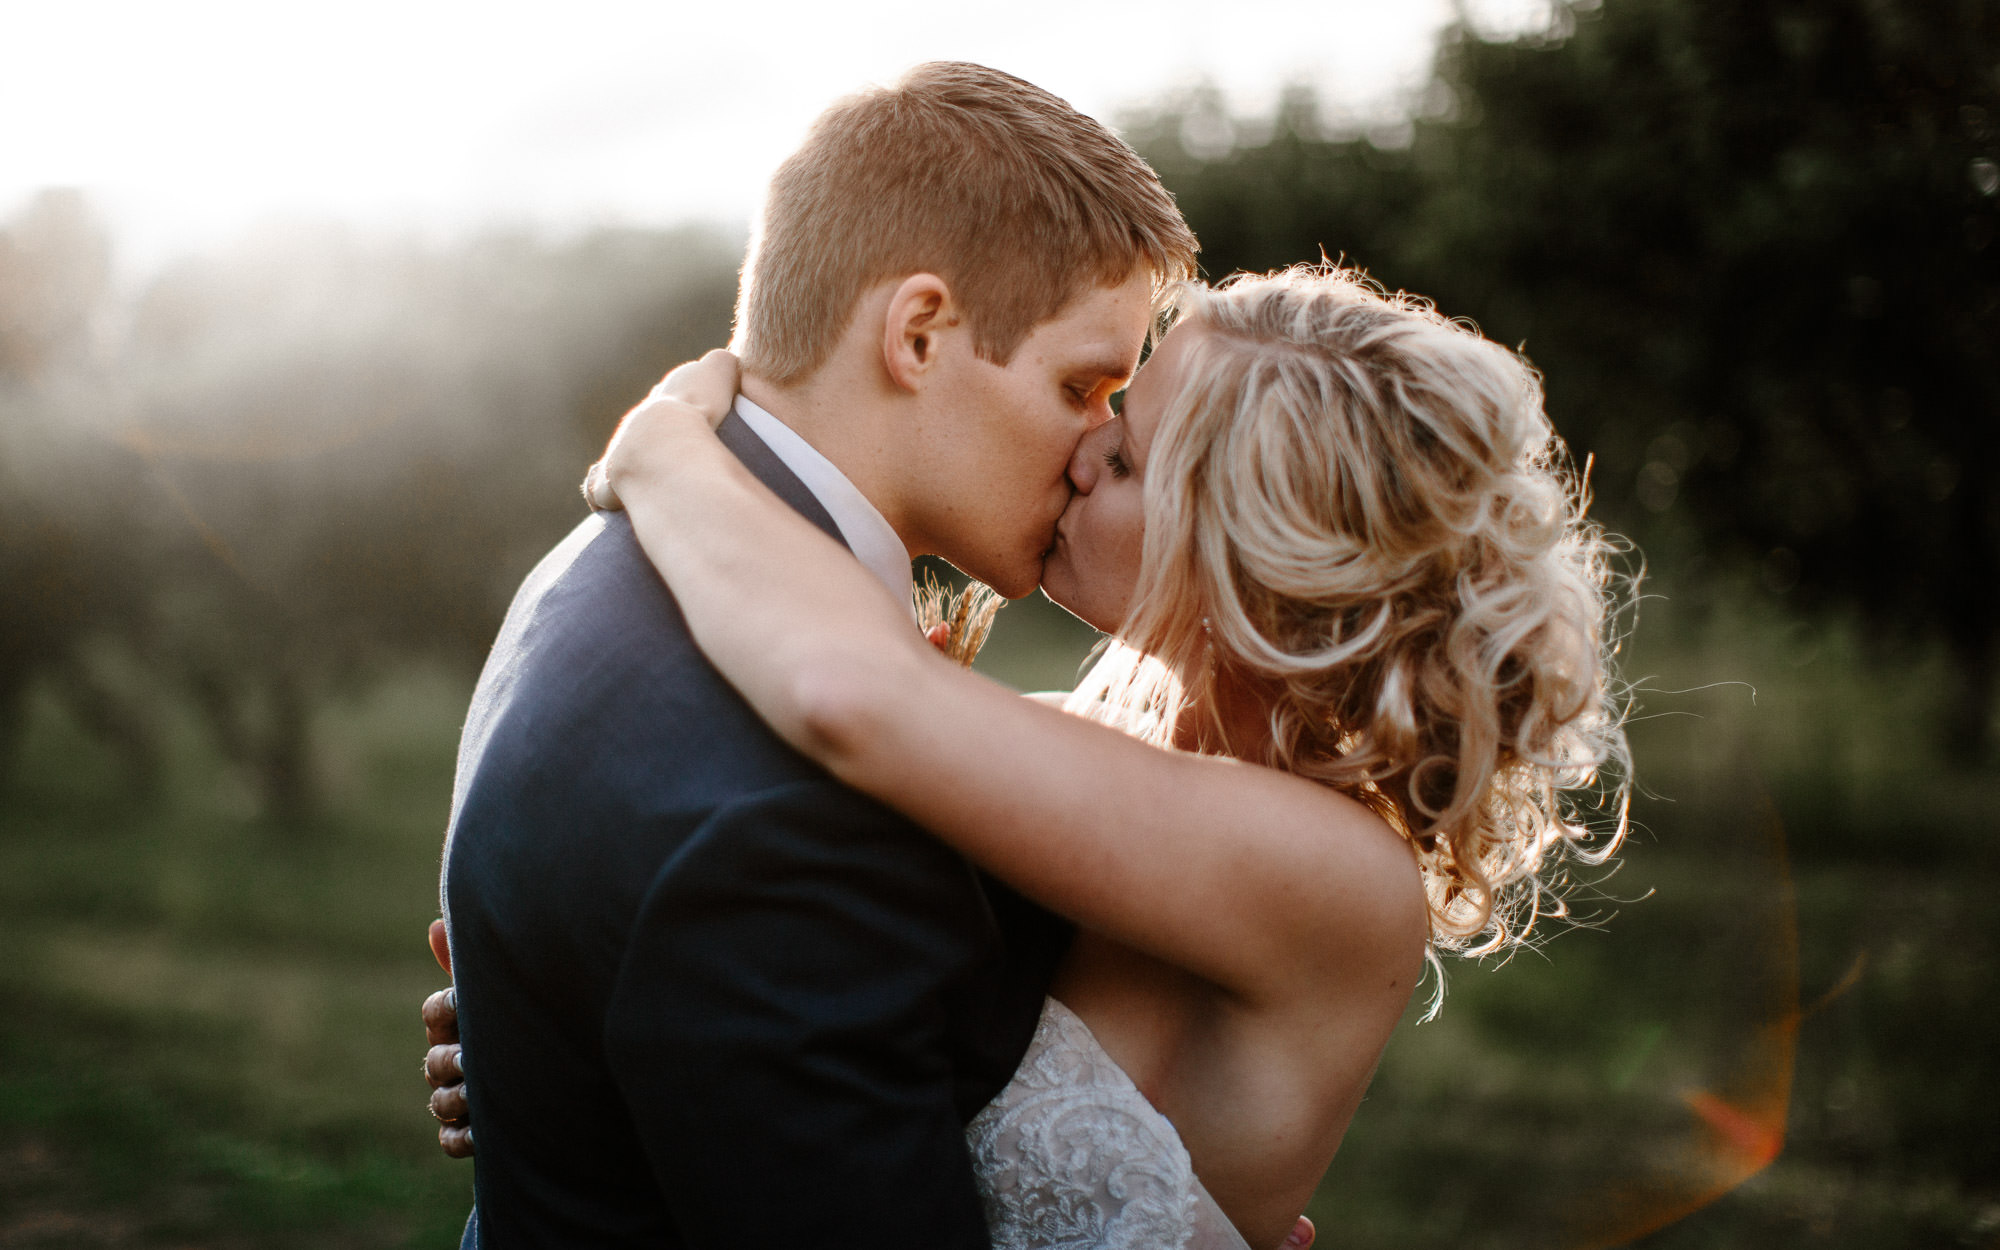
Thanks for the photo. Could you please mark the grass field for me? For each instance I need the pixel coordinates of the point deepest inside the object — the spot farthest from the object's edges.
(209, 1035)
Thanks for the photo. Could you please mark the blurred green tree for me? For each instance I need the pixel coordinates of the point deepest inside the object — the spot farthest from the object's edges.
(364, 446)
(66, 577)
(1752, 243)
(286, 469)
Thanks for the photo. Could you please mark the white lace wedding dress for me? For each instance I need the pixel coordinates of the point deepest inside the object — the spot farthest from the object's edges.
(1071, 1156)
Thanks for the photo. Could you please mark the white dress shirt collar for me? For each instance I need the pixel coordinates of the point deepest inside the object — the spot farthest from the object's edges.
(868, 534)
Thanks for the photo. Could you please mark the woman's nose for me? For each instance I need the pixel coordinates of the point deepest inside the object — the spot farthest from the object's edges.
(1087, 461)
(1082, 470)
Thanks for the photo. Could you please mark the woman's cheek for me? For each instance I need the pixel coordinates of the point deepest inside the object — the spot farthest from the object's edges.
(1132, 544)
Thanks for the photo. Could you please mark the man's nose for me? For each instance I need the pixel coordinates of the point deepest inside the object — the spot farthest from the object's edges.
(1100, 412)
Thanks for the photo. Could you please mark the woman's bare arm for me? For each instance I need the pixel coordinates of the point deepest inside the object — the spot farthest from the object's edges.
(1256, 880)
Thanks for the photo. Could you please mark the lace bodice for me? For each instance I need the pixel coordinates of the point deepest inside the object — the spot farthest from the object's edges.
(1071, 1156)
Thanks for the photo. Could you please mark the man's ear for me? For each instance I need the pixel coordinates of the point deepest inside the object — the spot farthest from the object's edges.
(920, 310)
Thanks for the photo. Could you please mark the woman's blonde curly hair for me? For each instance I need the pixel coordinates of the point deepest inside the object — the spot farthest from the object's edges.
(1361, 505)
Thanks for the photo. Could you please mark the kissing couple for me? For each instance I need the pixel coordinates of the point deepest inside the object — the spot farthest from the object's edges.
(772, 925)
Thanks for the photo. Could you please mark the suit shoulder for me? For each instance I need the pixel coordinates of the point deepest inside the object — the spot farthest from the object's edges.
(594, 680)
(597, 576)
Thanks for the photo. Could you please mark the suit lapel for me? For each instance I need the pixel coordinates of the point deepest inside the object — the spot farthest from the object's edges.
(762, 462)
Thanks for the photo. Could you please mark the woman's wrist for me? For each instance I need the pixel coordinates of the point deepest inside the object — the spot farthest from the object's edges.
(673, 437)
(694, 399)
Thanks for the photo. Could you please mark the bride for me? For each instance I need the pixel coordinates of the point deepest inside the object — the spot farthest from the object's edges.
(1358, 679)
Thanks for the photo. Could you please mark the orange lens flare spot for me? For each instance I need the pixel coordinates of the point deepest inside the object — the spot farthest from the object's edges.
(1753, 1139)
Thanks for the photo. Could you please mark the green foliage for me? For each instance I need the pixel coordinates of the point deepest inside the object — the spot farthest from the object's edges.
(1752, 245)
(208, 1037)
(277, 470)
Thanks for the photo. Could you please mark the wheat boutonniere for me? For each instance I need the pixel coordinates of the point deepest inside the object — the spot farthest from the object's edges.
(966, 615)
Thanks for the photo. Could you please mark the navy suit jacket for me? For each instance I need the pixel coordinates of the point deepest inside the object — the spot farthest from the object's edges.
(709, 996)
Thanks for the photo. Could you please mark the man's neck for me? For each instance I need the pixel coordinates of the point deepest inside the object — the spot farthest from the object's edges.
(834, 417)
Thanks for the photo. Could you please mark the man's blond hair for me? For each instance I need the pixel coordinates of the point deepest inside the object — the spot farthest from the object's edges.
(1019, 202)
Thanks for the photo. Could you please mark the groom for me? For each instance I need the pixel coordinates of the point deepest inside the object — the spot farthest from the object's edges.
(709, 996)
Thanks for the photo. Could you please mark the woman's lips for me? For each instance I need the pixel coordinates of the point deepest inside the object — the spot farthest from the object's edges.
(1056, 536)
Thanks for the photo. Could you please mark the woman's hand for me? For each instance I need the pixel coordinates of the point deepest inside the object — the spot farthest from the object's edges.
(702, 389)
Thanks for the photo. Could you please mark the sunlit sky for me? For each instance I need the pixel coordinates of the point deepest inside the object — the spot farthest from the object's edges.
(188, 122)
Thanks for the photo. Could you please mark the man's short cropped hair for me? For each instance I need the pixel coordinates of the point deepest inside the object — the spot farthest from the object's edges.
(1019, 202)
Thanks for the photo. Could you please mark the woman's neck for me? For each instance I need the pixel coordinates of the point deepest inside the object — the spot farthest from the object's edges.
(1229, 713)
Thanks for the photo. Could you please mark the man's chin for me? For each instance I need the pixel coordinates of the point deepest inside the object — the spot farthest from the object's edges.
(1018, 582)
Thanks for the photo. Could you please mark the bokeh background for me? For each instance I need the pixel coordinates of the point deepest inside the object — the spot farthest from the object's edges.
(271, 468)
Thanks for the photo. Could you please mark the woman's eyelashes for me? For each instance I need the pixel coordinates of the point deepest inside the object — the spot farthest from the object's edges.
(1114, 460)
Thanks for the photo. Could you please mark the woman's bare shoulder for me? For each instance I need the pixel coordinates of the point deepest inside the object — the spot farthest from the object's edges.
(1369, 912)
